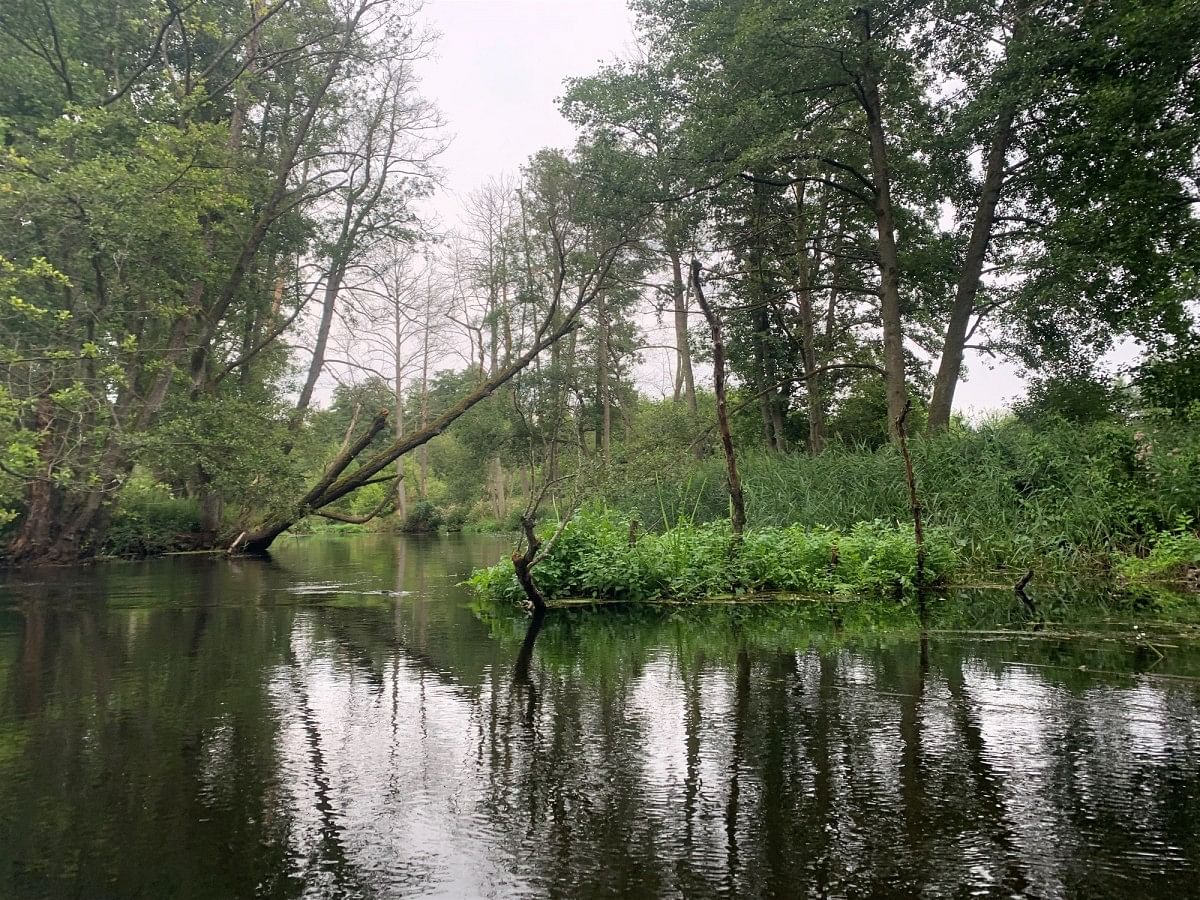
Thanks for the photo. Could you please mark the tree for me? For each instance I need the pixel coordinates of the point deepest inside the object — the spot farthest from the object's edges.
(162, 161)
(586, 236)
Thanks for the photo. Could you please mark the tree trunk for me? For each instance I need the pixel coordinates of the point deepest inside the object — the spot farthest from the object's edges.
(401, 511)
(769, 400)
(212, 508)
(523, 566)
(885, 222)
(683, 349)
(398, 425)
(812, 381)
(949, 369)
(423, 453)
(497, 489)
(737, 501)
(602, 389)
(317, 365)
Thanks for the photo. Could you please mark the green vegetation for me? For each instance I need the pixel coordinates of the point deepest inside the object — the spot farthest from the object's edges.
(1173, 556)
(1052, 495)
(600, 555)
(222, 316)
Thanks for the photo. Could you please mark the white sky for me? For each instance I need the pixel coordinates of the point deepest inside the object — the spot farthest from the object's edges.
(495, 73)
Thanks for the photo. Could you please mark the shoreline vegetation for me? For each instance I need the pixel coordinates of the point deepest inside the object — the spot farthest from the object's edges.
(1114, 501)
(601, 556)
(225, 315)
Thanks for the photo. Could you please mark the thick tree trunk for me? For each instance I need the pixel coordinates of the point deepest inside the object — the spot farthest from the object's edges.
(889, 261)
(737, 501)
(950, 368)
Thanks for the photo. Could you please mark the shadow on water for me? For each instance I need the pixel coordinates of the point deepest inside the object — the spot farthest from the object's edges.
(342, 721)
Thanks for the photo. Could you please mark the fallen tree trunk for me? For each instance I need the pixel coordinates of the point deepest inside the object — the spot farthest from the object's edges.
(337, 482)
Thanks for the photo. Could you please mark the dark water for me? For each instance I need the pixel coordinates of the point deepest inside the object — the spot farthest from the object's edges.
(202, 728)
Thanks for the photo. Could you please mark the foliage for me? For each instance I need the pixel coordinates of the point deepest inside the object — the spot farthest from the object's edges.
(149, 520)
(593, 557)
(1075, 394)
(1170, 378)
(1012, 494)
(1173, 555)
(422, 517)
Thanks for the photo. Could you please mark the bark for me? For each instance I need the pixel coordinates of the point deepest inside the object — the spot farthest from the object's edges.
(914, 501)
(950, 368)
(769, 400)
(497, 489)
(351, 519)
(523, 566)
(401, 492)
(602, 387)
(683, 350)
(885, 223)
(42, 498)
(423, 453)
(212, 507)
(316, 366)
(319, 495)
(737, 501)
(808, 340)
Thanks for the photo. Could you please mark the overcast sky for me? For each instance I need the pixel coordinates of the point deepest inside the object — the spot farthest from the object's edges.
(495, 73)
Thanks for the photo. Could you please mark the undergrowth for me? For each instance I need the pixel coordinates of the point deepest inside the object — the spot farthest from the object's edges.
(594, 558)
(1056, 497)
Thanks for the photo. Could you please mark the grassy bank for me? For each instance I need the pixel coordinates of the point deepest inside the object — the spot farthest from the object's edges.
(599, 555)
(1005, 495)
(1056, 496)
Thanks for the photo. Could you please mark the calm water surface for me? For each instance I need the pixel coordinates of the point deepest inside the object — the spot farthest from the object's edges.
(338, 722)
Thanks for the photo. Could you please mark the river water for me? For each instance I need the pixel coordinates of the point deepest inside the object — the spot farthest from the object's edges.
(339, 721)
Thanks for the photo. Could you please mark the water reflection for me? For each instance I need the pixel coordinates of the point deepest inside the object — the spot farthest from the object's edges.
(338, 722)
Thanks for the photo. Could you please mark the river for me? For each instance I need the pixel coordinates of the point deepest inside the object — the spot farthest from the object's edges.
(339, 721)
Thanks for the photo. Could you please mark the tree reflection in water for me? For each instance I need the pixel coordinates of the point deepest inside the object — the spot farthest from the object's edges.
(197, 729)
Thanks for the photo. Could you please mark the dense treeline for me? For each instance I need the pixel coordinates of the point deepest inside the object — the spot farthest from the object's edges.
(222, 313)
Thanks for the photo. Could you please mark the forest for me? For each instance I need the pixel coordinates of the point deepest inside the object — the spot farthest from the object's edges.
(226, 316)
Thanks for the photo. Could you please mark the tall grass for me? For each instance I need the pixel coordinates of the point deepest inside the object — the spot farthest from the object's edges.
(1010, 494)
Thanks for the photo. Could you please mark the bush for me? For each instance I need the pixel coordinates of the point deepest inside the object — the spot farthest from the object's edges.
(1174, 556)
(150, 520)
(423, 517)
(593, 557)
(1012, 495)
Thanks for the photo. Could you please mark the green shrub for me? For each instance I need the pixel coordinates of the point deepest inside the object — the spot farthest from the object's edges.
(423, 516)
(1012, 495)
(593, 557)
(1174, 555)
(149, 520)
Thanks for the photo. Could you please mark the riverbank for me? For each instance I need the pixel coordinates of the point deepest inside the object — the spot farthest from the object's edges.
(601, 554)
